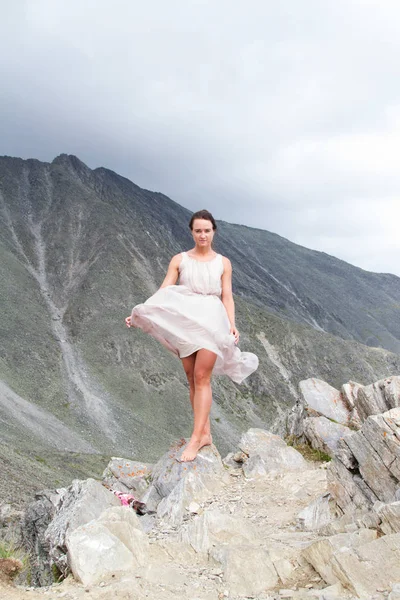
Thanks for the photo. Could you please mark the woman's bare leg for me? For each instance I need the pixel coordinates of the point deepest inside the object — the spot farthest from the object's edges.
(202, 399)
(188, 364)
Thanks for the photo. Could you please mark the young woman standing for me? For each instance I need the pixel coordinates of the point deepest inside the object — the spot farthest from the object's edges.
(196, 321)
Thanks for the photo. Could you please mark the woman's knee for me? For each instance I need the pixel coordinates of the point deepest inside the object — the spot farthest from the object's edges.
(202, 377)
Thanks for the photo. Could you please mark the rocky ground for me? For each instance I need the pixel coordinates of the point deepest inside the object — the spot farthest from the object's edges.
(268, 505)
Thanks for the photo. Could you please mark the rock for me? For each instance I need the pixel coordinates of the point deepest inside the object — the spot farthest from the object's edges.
(248, 570)
(372, 464)
(255, 467)
(370, 566)
(395, 592)
(48, 521)
(349, 393)
(127, 476)
(320, 554)
(119, 541)
(317, 514)
(213, 528)
(230, 460)
(321, 398)
(378, 397)
(36, 520)
(94, 553)
(204, 475)
(191, 489)
(271, 449)
(389, 516)
(324, 434)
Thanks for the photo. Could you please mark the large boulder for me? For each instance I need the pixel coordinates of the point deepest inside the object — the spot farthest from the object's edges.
(367, 468)
(268, 453)
(174, 484)
(119, 542)
(55, 514)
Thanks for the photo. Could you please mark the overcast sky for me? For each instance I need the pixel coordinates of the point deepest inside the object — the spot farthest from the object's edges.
(283, 115)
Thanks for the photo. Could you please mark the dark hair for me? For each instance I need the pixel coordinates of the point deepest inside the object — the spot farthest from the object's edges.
(203, 214)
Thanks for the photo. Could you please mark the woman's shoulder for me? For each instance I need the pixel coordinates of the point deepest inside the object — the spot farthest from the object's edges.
(226, 262)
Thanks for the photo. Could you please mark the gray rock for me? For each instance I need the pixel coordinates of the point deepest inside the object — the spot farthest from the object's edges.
(95, 553)
(321, 398)
(248, 570)
(255, 467)
(230, 460)
(194, 487)
(214, 528)
(378, 397)
(389, 516)
(271, 449)
(36, 520)
(320, 554)
(168, 472)
(369, 567)
(205, 475)
(127, 476)
(317, 514)
(323, 434)
(371, 471)
(48, 521)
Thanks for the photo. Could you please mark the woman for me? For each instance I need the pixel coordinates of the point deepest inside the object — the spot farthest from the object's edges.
(196, 321)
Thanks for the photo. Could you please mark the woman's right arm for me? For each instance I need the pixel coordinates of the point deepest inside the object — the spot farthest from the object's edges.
(173, 271)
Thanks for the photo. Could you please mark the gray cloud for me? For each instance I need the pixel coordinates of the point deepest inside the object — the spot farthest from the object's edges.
(284, 116)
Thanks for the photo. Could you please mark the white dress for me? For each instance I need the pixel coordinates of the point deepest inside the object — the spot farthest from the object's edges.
(191, 316)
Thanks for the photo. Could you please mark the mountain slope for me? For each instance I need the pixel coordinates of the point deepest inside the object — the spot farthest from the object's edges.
(80, 247)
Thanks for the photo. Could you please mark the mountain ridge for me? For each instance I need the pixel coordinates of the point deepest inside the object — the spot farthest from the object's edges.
(80, 247)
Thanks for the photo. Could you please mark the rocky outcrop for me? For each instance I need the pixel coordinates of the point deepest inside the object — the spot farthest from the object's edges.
(260, 522)
(53, 516)
(325, 415)
(367, 469)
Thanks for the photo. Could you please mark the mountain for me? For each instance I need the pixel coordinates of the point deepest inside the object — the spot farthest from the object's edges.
(80, 247)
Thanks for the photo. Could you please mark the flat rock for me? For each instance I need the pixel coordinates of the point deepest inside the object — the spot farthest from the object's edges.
(325, 400)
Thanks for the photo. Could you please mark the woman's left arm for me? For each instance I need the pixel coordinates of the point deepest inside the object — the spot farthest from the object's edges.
(227, 296)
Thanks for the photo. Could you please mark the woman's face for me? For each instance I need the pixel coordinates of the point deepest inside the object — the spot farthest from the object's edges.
(203, 233)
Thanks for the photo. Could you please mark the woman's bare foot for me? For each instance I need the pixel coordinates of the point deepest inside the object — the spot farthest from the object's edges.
(206, 440)
(191, 450)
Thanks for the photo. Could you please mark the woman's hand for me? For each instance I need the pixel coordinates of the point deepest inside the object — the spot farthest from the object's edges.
(128, 321)
(235, 332)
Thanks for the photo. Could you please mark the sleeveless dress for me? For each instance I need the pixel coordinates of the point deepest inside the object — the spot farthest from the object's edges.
(191, 316)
